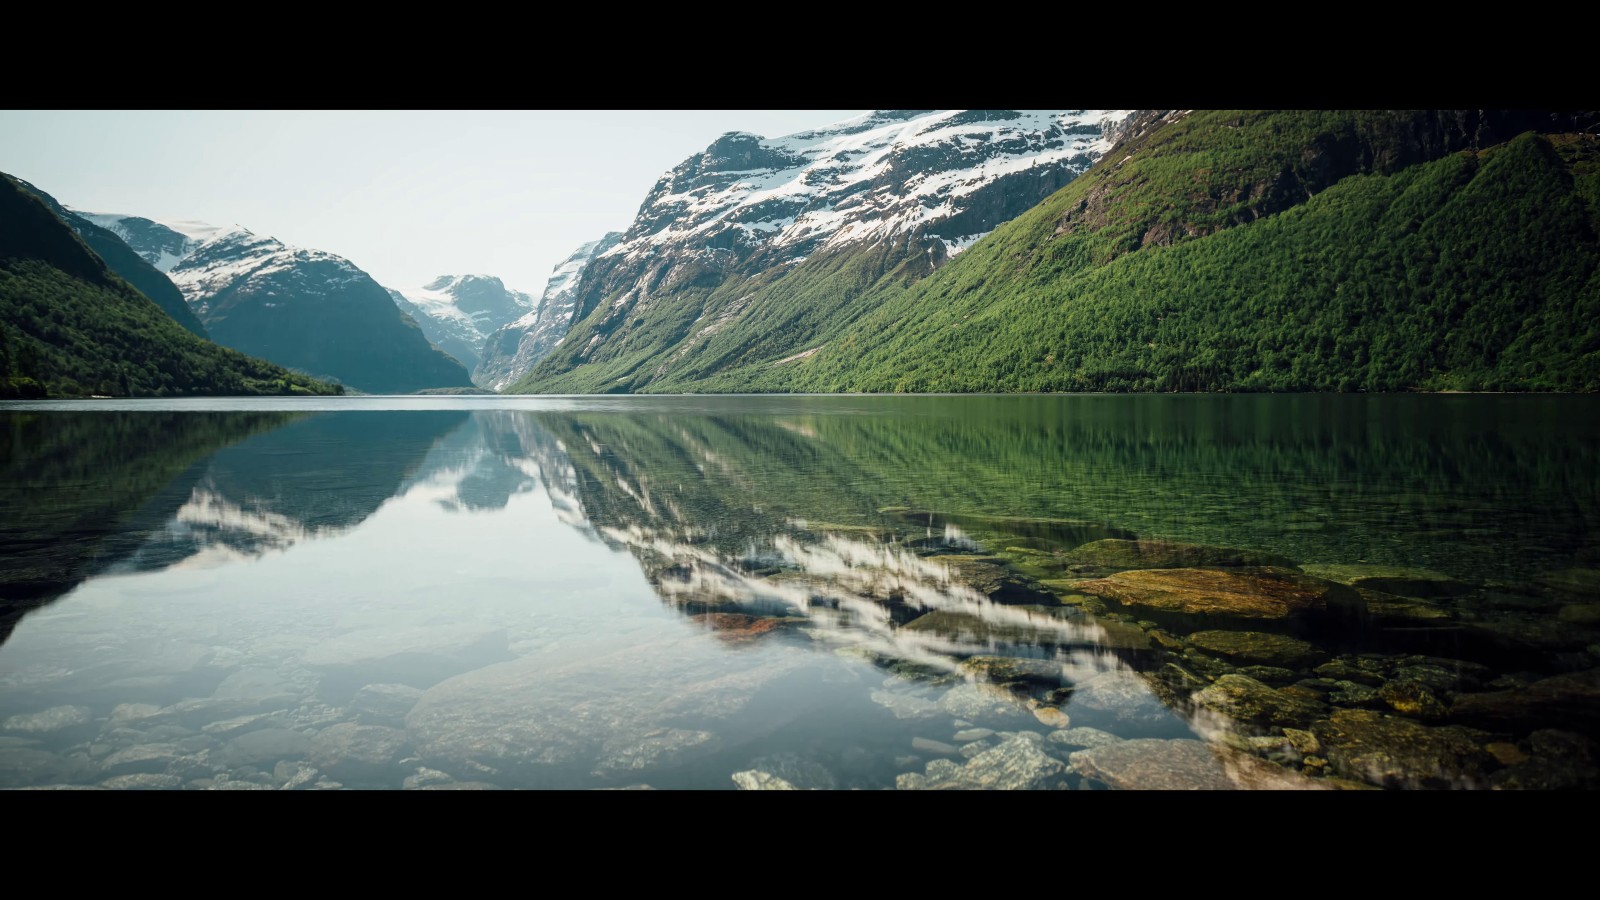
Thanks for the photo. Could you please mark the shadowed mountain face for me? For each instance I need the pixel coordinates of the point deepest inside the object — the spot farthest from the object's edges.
(127, 262)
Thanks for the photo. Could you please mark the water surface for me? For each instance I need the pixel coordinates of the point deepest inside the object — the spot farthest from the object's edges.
(824, 592)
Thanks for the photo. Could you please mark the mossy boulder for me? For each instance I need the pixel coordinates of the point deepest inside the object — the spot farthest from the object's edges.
(1258, 648)
(1395, 752)
(1244, 699)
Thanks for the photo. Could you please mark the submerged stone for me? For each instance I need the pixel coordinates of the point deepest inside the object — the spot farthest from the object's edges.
(358, 753)
(46, 721)
(1571, 701)
(1012, 670)
(1244, 699)
(1258, 647)
(27, 766)
(969, 701)
(905, 706)
(1082, 737)
(1017, 762)
(142, 758)
(1123, 696)
(1404, 581)
(384, 704)
(1153, 764)
(1137, 554)
(1585, 614)
(265, 746)
(968, 627)
(1413, 699)
(145, 781)
(1583, 582)
(1196, 596)
(754, 780)
(802, 772)
(1398, 752)
(991, 578)
(738, 628)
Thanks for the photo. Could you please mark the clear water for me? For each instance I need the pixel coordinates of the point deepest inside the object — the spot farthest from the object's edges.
(839, 592)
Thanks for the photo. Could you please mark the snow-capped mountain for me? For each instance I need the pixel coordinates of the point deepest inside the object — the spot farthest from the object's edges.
(123, 260)
(162, 243)
(879, 175)
(306, 309)
(458, 312)
(718, 233)
(512, 350)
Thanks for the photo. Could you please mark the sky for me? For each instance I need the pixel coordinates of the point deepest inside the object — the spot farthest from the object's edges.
(405, 195)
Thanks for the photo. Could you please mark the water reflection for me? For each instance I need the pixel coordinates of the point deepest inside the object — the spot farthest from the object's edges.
(922, 593)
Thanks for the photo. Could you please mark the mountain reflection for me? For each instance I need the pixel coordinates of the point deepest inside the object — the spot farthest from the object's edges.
(314, 478)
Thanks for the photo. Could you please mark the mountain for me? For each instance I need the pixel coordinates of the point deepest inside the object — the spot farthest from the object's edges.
(512, 350)
(458, 312)
(72, 326)
(1265, 250)
(308, 309)
(754, 250)
(124, 261)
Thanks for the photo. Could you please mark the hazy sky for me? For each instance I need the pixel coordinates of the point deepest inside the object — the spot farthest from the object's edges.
(404, 195)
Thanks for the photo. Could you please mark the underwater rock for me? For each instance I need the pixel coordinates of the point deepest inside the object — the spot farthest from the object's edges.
(1082, 737)
(969, 701)
(46, 721)
(142, 758)
(1245, 699)
(1258, 647)
(1012, 670)
(802, 772)
(1200, 596)
(28, 766)
(265, 746)
(1580, 581)
(1153, 764)
(1404, 581)
(1015, 763)
(1123, 696)
(1396, 752)
(358, 753)
(754, 780)
(384, 704)
(1571, 700)
(143, 781)
(991, 578)
(1413, 699)
(905, 706)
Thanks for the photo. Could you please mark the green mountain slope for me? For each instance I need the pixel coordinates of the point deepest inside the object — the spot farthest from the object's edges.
(1229, 250)
(125, 261)
(71, 326)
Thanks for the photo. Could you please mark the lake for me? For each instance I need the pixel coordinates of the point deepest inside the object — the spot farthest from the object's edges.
(766, 592)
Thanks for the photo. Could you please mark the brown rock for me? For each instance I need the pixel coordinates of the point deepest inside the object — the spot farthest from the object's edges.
(1260, 647)
(1243, 595)
(1153, 764)
(1245, 699)
(1366, 745)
